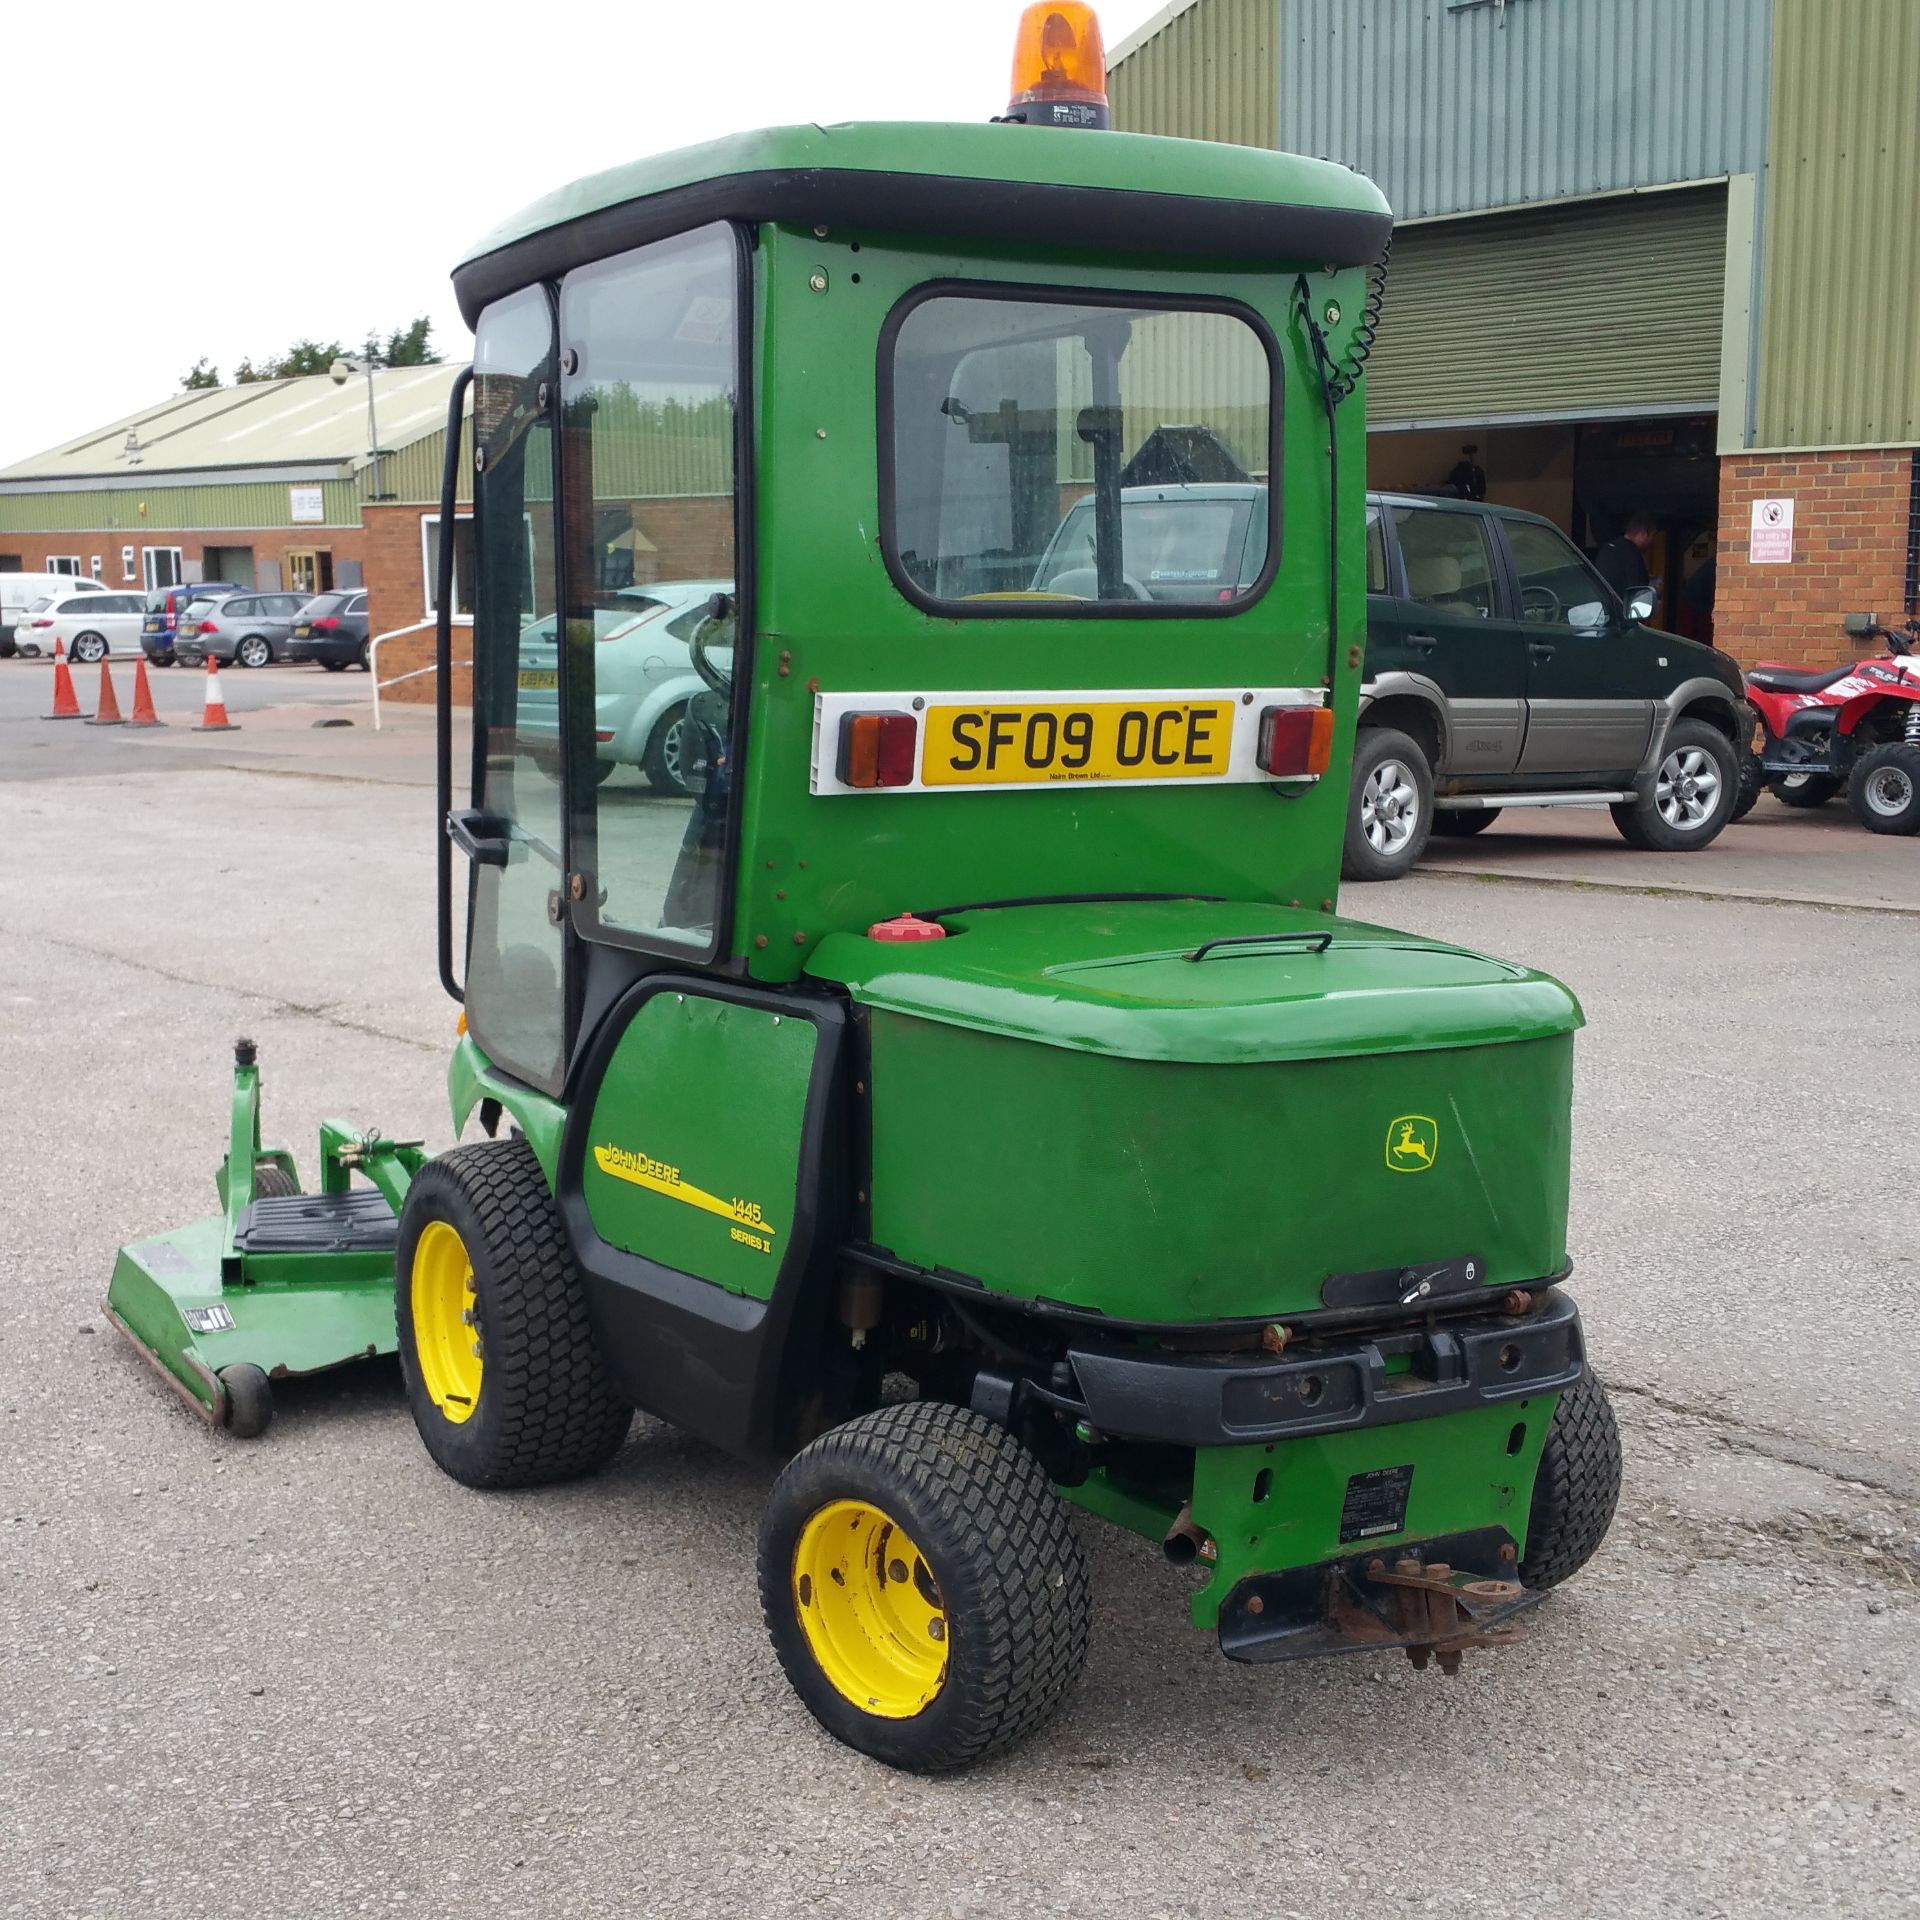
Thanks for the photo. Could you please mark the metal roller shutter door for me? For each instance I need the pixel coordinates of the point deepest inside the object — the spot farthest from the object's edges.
(1612, 307)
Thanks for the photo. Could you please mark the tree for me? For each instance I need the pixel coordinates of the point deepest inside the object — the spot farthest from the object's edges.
(405, 347)
(411, 347)
(201, 374)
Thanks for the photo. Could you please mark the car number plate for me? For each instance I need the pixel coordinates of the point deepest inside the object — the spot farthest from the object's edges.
(536, 680)
(991, 746)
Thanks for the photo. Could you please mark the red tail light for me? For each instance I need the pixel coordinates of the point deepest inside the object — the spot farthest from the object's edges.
(1295, 741)
(43, 623)
(876, 749)
(325, 626)
(207, 626)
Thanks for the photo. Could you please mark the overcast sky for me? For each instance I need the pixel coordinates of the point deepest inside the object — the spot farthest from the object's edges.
(232, 177)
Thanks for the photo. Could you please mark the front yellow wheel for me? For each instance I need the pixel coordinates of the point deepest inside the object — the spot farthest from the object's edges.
(870, 1609)
(446, 1321)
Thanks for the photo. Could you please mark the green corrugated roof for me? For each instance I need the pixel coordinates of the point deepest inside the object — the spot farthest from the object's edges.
(305, 423)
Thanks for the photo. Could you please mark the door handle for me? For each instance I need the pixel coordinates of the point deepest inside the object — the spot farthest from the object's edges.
(1542, 650)
(1423, 642)
(480, 836)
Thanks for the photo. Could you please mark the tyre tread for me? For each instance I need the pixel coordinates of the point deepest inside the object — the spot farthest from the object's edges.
(559, 1415)
(1577, 1488)
(1028, 1632)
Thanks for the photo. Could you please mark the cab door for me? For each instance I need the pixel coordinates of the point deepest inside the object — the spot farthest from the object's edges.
(515, 831)
(1590, 673)
(1444, 623)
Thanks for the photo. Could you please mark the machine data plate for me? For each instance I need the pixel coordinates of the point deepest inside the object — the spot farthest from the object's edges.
(1376, 1504)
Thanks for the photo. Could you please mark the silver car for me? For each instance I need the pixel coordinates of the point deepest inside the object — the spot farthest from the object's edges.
(247, 629)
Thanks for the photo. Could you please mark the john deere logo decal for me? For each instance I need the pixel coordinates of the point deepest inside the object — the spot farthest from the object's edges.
(1412, 1142)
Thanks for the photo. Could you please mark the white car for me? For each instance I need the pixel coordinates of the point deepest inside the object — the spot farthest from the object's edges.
(643, 677)
(93, 624)
(18, 591)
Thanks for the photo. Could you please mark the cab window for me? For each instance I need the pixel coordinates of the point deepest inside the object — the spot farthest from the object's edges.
(648, 425)
(1449, 564)
(1076, 459)
(1557, 585)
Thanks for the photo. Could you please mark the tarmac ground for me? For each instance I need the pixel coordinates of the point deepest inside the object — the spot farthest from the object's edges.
(312, 1674)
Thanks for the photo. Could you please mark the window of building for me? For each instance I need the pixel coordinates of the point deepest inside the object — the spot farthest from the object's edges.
(67, 563)
(162, 567)
(97, 565)
(1058, 457)
(128, 571)
(1449, 566)
(463, 567)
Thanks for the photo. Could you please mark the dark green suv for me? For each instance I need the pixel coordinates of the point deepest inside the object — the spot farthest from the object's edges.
(1502, 671)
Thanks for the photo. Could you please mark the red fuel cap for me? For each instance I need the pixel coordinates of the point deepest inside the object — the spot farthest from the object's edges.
(905, 927)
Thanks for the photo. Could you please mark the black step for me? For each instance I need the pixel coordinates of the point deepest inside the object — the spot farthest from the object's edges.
(356, 1222)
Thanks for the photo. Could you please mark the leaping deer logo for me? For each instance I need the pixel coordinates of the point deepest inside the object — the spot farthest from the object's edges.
(1412, 1142)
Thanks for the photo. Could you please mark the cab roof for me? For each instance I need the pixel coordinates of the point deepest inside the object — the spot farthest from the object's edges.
(1125, 193)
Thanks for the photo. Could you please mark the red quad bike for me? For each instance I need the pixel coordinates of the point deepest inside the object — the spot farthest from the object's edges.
(1856, 727)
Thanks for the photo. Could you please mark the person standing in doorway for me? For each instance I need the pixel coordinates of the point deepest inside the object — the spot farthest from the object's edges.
(1623, 560)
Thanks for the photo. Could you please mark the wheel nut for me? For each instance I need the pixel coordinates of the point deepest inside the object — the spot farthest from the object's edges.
(476, 1349)
(466, 1316)
(936, 1629)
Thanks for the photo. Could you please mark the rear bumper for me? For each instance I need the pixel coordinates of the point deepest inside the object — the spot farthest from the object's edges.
(1335, 1384)
(342, 650)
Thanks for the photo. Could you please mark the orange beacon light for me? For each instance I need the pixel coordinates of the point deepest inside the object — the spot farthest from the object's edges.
(1059, 67)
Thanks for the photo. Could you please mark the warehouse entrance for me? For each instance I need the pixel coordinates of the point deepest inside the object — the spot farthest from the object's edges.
(1589, 477)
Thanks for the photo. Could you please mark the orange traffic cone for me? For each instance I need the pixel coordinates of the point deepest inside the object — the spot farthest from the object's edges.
(107, 714)
(143, 714)
(65, 706)
(214, 719)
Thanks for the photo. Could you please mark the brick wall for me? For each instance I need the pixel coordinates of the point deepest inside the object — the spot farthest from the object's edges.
(397, 597)
(1850, 535)
(270, 545)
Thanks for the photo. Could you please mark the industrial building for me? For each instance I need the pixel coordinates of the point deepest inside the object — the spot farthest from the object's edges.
(1649, 255)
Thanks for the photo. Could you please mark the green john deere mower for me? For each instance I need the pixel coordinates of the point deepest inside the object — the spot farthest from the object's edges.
(959, 1084)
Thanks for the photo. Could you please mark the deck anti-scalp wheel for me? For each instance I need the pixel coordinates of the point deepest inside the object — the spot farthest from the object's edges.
(923, 1586)
(506, 1385)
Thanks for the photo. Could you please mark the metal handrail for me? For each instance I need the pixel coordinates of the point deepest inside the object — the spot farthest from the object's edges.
(373, 662)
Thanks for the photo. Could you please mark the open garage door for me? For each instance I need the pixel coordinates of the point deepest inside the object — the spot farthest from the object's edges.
(1608, 308)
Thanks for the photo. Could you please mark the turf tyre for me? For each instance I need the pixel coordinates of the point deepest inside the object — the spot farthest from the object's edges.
(546, 1409)
(271, 1181)
(1576, 1489)
(998, 1542)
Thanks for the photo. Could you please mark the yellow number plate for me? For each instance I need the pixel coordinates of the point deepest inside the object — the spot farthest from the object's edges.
(538, 682)
(1101, 740)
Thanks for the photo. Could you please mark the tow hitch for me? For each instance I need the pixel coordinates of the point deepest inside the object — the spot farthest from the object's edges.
(1434, 1601)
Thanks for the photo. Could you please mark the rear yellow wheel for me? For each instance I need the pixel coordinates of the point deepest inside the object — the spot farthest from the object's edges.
(922, 1587)
(870, 1609)
(446, 1321)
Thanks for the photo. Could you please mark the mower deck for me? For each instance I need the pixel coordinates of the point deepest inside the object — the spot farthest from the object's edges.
(318, 1292)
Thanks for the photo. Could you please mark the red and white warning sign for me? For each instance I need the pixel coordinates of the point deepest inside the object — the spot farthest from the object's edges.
(1770, 539)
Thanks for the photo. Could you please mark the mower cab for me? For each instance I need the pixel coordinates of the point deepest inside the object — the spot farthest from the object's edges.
(968, 1016)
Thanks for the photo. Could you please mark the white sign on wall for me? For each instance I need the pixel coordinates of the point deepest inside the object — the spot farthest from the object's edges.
(1770, 538)
(306, 504)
